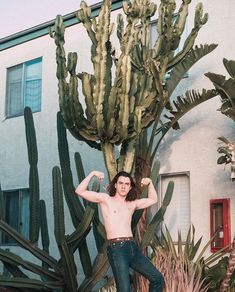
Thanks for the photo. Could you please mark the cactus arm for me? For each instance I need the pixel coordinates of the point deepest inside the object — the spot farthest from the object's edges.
(82, 229)
(164, 29)
(79, 127)
(112, 114)
(75, 207)
(28, 245)
(33, 175)
(102, 64)
(73, 202)
(87, 88)
(60, 231)
(59, 226)
(129, 157)
(14, 270)
(199, 21)
(120, 27)
(84, 15)
(18, 261)
(25, 283)
(180, 21)
(110, 160)
(44, 227)
(2, 205)
(97, 225)
(100, 267)
(75, 110)
(44, 230)
(79, 167)
(70, 267)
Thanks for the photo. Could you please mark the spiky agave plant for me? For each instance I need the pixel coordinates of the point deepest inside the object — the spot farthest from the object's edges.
(185, 268)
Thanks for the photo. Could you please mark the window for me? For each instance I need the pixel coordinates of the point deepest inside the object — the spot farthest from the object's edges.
(24, 87)
(220, 223)
(16, 213)
(177, 216)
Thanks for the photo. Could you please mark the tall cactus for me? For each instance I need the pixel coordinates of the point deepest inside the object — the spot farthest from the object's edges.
(55, 273)
(33, 175)
(120, 107)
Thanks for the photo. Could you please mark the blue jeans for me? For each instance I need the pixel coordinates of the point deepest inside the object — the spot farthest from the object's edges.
(125, 254)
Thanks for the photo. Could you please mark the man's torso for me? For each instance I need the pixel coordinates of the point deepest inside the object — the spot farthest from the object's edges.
(117, 217)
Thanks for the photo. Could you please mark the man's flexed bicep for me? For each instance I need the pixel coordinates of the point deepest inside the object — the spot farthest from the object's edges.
(152, 195)
(91, 196)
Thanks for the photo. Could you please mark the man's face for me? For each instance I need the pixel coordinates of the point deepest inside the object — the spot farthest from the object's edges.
(123, 185)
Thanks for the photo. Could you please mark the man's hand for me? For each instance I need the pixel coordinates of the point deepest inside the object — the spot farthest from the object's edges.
(146, 181)
(98, 174)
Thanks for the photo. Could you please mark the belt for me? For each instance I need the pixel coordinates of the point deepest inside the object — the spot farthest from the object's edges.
(119, 239)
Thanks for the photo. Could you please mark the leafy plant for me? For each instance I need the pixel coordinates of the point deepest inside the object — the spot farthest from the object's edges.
(183, 264)
(226, 89)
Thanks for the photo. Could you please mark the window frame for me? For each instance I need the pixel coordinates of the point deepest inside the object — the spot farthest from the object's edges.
(160, 191)
(23, 65)
(21, 219)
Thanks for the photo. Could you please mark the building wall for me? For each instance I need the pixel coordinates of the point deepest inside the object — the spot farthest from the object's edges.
(192, 149)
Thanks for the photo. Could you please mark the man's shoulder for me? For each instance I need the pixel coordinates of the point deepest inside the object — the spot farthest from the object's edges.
(105, 197)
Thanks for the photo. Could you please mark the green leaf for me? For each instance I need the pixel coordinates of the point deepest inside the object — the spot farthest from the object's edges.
(185, 103)
(182, 67)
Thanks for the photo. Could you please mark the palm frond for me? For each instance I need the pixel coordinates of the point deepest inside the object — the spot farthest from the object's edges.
(182, 67)
(185, 103)
(230, 67)
(223, 139)
(226, 88)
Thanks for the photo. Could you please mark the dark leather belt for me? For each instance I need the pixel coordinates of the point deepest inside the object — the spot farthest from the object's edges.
(119, 239)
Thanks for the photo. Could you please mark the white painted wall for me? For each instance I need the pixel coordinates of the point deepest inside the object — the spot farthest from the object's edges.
(194, 147)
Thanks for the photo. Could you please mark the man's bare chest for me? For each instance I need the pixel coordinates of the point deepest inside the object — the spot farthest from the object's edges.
(121, 209)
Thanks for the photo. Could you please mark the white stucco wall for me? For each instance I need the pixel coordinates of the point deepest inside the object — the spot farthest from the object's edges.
(193, 148)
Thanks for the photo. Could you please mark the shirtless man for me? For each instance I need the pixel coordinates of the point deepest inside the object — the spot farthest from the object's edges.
(117, 209)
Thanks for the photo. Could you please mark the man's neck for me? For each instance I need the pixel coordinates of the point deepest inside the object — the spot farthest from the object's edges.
(120, 198)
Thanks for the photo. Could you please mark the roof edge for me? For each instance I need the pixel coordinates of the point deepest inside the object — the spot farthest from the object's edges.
(43, 29)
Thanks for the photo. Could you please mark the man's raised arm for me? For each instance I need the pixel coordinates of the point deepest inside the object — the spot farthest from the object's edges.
(152, 195)
(91, 196)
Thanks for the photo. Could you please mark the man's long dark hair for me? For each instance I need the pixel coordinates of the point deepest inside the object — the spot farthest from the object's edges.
(132, 195)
